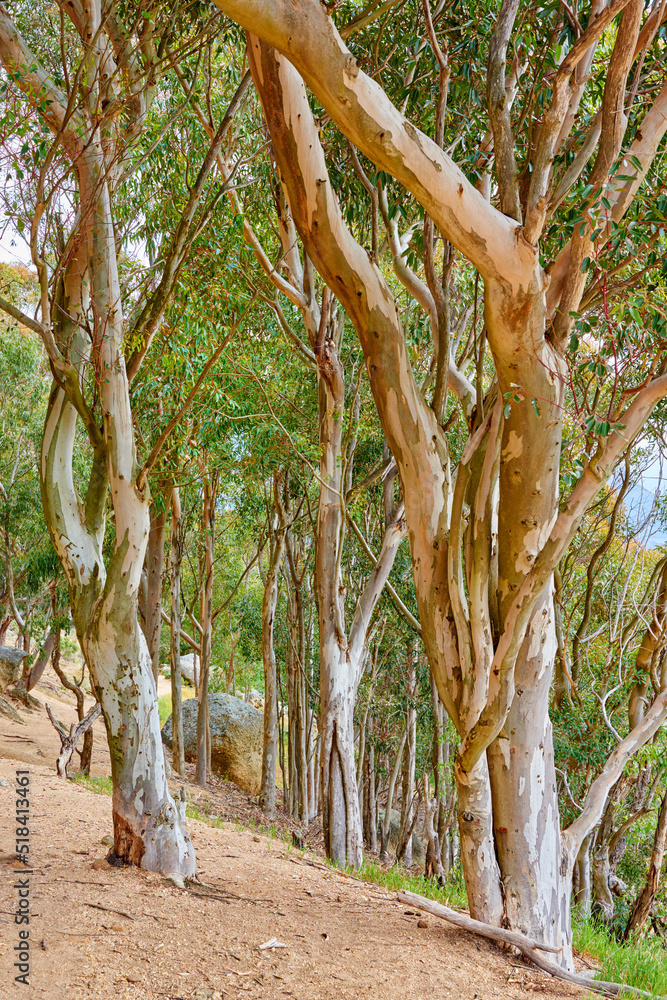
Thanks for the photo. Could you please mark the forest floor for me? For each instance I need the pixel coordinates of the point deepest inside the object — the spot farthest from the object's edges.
(101, 931)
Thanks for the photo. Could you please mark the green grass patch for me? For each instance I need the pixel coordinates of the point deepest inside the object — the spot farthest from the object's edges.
(396, 877)
(192, 812)
(164, 707)
(100, 785)
(639, 963)
(642, 964)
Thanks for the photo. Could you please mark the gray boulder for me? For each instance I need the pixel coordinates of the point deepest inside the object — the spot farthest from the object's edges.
(10, 665)
(394, 828)
(236, 739)
(187, 667)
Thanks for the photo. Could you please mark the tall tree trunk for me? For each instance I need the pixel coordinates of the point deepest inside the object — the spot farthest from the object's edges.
(206, 622)
(85, 346)
(267, 794)
(410, 758)
(432, 862)
(385, 828)
(299, 732)
(341, 817)
(175, 559)
(643, 904)
(524, 791)
(582, 896)
(603, 901)
(292, 673)
(149, 827)
(152, 623)
(369, 805)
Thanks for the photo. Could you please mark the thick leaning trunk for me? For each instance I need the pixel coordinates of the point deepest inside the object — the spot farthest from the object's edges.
(38, 668)
(525, 800)
(149, 827)
(478, 854)
(341, 816)
(473, 633)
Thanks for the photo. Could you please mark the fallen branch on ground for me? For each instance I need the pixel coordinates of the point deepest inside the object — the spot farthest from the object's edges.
(109, 909)
(529, 949)
(69, 742)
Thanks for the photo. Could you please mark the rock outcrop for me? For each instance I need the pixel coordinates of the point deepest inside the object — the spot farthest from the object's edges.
(394, 829)
(236, 739)
(10, 665)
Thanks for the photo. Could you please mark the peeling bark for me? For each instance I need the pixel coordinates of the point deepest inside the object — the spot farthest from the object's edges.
(491, 655)
(148, 827)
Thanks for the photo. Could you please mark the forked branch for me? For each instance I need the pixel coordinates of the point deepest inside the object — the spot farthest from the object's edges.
(69, 742)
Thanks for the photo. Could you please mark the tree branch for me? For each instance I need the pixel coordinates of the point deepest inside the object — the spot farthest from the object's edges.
(361, 109)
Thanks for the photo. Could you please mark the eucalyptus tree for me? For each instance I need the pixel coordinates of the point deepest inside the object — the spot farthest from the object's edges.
(82, 91)
(610, 637)
(29, 568)
(313, 322)
(543, 229)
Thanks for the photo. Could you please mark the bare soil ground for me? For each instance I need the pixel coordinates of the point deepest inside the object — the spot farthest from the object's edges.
(100, 931)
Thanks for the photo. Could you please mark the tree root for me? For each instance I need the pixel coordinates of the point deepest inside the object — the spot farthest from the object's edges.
(529, 949)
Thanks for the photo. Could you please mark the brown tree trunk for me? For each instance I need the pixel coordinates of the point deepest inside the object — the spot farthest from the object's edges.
(267, 794)
(152, 623)
(38, 668)
(175, 559)
(206, 622)
(643, 904)
(404, 851)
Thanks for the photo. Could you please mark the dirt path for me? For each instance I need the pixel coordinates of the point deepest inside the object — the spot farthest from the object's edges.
(345, 940)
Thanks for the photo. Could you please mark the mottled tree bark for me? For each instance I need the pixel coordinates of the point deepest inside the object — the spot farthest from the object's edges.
(148, 827)
(483, 643)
